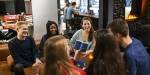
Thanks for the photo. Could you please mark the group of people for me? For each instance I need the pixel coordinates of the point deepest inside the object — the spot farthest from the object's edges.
(104, 44)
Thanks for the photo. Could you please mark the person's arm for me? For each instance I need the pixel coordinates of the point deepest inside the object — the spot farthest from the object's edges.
(41, 47)
(75, 37)
(35, 51)
(13, 51)
(91, 47)
(131, 62)
(75, 12)
(73, 40)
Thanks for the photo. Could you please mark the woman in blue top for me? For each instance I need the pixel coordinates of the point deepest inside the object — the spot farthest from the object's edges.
(86, 35)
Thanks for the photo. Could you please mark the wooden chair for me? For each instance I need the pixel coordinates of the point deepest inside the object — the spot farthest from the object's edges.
(10, 60)
(4, 68)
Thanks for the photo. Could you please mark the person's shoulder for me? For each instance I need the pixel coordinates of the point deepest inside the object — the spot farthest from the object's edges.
(69, 8)
(136, 40)
(80, 30)
(45, 36)
(136, 48)
(12, 39)
(137, 43)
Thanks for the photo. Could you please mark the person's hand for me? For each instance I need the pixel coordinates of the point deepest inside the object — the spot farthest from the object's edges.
(75, 55)
(37, 63)
(87, 53)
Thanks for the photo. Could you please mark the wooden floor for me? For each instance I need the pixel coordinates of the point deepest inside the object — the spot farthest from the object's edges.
(5, 70)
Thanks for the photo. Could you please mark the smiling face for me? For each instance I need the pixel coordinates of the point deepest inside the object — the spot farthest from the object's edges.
(53, 29)
(86, 25)
(23, 31)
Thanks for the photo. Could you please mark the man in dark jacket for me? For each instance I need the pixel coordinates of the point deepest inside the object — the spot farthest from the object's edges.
(23, 49)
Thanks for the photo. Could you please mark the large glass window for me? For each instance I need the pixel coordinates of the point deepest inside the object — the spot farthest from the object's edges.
(127, 8)
(94, 6)
(84, 6)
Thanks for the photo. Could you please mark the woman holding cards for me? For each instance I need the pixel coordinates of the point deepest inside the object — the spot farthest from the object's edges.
(83, 40)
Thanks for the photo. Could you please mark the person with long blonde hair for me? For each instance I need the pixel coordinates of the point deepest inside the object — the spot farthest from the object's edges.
(56, 53)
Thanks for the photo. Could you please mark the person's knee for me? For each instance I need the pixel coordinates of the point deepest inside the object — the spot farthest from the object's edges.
(18, 67)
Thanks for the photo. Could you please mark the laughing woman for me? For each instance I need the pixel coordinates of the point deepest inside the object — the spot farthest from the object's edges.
(84, 36)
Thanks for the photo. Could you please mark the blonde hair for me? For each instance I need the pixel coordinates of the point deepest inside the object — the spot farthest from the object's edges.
(20, 23)
(56, 58)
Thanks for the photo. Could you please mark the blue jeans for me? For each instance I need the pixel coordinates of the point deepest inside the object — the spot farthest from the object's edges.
(18, 69)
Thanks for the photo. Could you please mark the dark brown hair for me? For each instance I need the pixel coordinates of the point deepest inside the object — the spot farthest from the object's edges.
(107, 56)
(91, 33)
(73, 3)
(20, 23)
(119, 26)
(48, 24)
